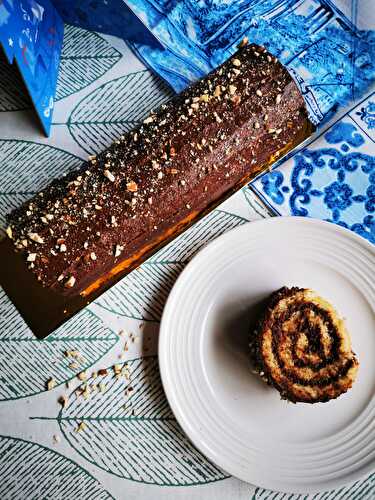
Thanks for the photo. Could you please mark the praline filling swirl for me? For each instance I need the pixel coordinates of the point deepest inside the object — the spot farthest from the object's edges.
(302, 347)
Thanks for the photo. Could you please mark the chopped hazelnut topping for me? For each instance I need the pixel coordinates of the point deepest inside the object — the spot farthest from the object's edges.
(118, 250)
(217, 92)
(113, 221)
(149, 200)
(63, 247)
(259, 93)
(217, 117)
(232, 89)
(93, 256)
(204, 98)
(71, 282)
(269, 58)
(132, 187)
(109, 175)
(182, 182)
(195, 105)
(149, 119)
(86, 245)
(160, 175)
(265, 117)
(31, 257)
(236, 71)
(278, 98)
(35, 237)
(236, 62)
(236, 99)
(256, 125)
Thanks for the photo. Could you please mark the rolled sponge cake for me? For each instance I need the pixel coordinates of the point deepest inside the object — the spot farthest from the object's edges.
(302, 347)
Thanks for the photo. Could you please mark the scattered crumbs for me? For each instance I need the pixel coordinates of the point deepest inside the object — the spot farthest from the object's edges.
(102, 372)
(117, 369)
(129, 390)
(82, 375)
(73, 366)
(51, 383)
(56, 439)
(63, 400)
(81, 427)
(86, 391)
(102, 387)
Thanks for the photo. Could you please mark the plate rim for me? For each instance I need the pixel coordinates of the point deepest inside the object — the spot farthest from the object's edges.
(163, 342)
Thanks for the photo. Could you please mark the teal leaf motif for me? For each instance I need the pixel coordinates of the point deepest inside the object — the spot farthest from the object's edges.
(135, 437)
(360, 490)
(26, 167)
(30, 471)
(255, 204)
(143, 293)
(85, 57)
(115, 107)
(13, 95)
(27, 363)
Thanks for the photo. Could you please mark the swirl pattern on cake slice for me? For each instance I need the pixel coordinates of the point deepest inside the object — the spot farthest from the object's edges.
(302, 348)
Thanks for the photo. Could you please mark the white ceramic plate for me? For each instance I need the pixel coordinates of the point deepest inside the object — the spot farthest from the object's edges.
(231, 415)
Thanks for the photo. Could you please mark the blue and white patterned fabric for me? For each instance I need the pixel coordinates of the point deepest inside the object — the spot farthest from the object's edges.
(333, 178)
(330, 56)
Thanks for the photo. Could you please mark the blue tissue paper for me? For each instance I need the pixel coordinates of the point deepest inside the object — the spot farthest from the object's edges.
(31, 34)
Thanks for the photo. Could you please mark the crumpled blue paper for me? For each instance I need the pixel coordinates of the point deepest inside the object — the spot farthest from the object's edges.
(332, 60)
(31, 34)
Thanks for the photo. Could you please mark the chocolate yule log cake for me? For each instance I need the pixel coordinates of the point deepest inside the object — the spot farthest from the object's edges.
(302, 348)
(86, 230)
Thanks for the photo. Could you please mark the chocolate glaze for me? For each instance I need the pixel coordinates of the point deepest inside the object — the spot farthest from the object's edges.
(91, 227)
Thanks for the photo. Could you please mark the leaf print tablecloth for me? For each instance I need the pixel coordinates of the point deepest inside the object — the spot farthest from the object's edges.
(129, 445)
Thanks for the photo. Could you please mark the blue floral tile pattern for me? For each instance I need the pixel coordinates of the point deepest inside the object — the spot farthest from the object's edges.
(333, 178)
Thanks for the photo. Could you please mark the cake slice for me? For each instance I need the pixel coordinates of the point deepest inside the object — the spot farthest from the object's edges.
(302, 347)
